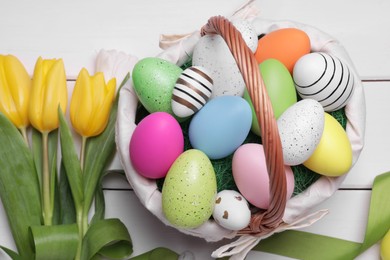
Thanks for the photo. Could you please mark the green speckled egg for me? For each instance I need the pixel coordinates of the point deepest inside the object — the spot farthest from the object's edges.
(189, 190)
(154, 80)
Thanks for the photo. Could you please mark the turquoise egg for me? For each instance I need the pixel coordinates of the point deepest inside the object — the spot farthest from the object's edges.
(153, 81)
(221, 126)
(280, 88)
(189, 190)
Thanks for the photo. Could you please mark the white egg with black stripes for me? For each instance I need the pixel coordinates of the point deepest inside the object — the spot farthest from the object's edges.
(325, 78)
(192, 90)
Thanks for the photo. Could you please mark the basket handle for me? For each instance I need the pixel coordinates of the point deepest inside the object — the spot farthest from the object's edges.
(262, 222)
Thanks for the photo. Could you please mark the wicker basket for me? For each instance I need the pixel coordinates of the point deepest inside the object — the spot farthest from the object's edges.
(282, 214)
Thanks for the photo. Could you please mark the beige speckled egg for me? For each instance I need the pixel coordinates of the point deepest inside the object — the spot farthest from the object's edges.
(300, 129)
(189, 190)
(248, 33)
(212, 53)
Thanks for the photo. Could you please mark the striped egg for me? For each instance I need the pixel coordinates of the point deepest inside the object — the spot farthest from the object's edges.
(191, 92)
(324, 78)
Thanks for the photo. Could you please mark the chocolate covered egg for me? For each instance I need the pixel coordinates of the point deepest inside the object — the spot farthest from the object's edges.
(325, 78)
(189, 190)
(300, 129)
(231, 210)
(212, 53)
(192, 90)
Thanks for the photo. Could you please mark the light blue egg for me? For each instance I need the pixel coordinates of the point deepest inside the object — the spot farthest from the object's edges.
(221, 126)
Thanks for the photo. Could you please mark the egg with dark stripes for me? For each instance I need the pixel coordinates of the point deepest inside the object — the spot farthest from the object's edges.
(191, 92)
(324, 78)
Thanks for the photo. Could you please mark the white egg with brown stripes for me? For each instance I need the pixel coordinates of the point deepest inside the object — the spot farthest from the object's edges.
(325, 78)
(191, 92)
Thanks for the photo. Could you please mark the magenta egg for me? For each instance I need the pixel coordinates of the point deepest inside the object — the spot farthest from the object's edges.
(251, 175)
(155, 144)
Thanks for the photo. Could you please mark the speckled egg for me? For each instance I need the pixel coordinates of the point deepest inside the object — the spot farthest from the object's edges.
(154, 80)
(192, 90)
(221, 126)
(189, 190)
(248, 33)
(212, 53)
(333, 155)
(231, 210)
(251, 175)
(300, 129)
(325, 78)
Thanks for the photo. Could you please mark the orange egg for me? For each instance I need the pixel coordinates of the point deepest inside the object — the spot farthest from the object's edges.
(286, 45)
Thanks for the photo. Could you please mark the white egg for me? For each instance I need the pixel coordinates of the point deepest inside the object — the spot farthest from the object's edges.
(212, 53)
(231, 210)
(325, 78)
(248, 33)
(191, 92)
(300, 129)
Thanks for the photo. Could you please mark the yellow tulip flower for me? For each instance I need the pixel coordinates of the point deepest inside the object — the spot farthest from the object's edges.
(15, 85)
(91, 103)
(48, 92)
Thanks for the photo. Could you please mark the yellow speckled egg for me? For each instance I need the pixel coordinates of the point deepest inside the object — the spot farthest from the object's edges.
(333, 155)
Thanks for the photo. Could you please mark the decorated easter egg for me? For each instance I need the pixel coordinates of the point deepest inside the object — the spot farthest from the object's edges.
(155, 144)
(300, 129)
(248, 33)
(221, 126)
(333, 154)
(280, 88)
(385, 246)
(191, 92)
(251, 175)
(286, 45)
(325, 78)
(189, 190)
(154, 80)
(212, 53)
(231, 210)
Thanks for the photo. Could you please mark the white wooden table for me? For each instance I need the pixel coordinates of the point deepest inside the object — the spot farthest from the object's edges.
(77, 30)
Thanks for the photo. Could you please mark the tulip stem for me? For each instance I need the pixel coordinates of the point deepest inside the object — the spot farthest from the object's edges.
(47, 209)
(23, 131)
(82, 151)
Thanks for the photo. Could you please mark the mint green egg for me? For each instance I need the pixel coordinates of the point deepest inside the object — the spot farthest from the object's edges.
(153, 81)
(189, 190)
(280, 88)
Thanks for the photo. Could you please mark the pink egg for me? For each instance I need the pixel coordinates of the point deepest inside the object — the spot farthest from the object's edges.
(251, 175)
(155, 144)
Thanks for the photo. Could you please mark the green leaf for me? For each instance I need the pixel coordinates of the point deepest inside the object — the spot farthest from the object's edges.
(71, 162)
(157, 254)
(108, 236)
(10, 253)
(99, 150)
(55, 242)
(67, 208)
(100, 206)
(19, 186)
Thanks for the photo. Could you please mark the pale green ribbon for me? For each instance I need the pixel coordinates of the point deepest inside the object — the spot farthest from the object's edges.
(303, 245)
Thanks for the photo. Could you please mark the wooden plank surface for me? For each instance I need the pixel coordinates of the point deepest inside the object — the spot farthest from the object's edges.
(77, 30)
